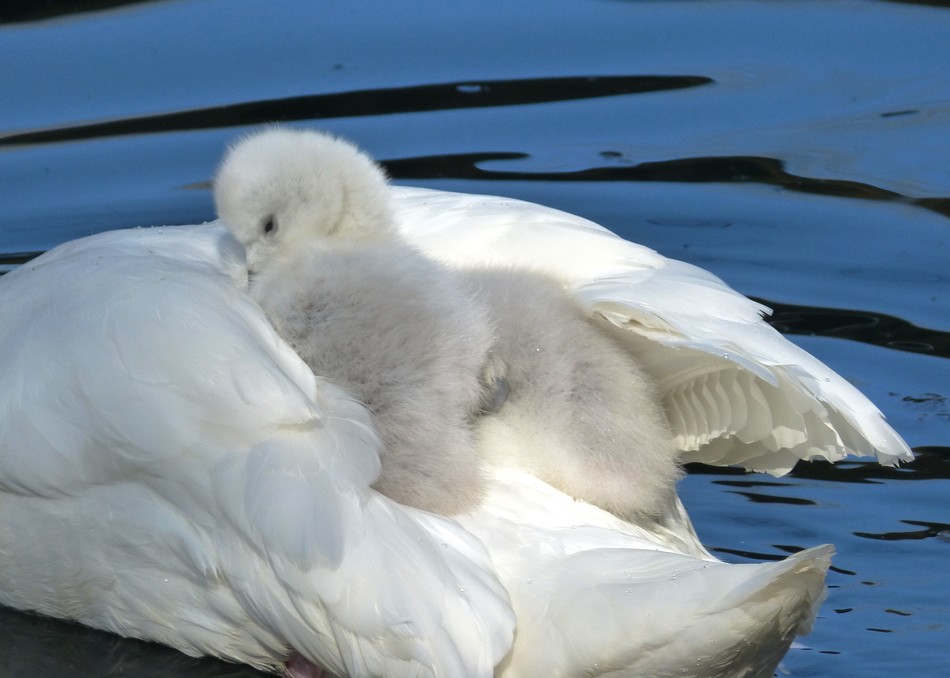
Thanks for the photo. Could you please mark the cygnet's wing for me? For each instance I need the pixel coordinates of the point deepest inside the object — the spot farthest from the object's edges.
(596, 596)
(736, 391)
(219, 491)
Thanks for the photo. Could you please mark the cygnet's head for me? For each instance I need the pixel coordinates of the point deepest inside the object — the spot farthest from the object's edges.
(281, 190)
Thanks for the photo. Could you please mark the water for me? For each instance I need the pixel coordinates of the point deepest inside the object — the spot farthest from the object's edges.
(797, 149)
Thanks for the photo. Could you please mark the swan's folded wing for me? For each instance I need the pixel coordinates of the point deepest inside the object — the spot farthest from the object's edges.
(654, 609)
(122, 349)
(136, 358)
(735, 390)
(398, 592)
(598, 596)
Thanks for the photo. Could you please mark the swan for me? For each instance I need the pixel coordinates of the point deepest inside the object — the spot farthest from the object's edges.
(362, 307)
(171, 469)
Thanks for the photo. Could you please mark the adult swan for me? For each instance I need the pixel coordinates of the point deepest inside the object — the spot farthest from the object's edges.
(171, 470)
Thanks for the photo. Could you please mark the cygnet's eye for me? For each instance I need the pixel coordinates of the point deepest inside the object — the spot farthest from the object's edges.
(270, 226)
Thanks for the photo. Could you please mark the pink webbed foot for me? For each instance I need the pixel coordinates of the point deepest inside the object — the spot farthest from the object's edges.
(300, 667)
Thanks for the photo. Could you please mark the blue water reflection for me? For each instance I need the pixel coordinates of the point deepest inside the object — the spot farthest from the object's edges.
(798, 150)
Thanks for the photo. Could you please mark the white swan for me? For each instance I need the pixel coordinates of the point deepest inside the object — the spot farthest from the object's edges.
(170, 469)
(735, 390)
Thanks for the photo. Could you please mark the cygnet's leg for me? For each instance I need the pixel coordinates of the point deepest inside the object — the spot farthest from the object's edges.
(581, 414)
(398, 332)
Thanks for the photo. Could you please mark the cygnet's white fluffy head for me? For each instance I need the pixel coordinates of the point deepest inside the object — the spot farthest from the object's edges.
(281, 190)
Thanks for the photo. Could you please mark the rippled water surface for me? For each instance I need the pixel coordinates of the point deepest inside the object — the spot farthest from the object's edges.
(800, 150)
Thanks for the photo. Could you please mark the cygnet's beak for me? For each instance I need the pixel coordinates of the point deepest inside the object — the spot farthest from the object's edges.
(254, 254)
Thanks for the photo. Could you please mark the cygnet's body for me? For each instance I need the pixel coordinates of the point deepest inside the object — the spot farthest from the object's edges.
(582, 414)
(361, 306)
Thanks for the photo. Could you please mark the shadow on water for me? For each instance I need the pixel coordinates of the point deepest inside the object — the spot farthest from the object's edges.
(482, 94)
(11, 260)
(945, 4)
(32, 646)
(22, 11)
(877, 329)
(936, 530)
(713, 169)
(370, 102)
(931, 462)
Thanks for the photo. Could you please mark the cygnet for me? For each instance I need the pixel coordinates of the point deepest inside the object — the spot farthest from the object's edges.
(582, 414)
(362, 307)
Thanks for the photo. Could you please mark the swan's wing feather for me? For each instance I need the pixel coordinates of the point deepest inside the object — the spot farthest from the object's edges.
(135, 359)
(402, 592)
(738, 618)
(120, 350)
(655, 601)
(736, 391)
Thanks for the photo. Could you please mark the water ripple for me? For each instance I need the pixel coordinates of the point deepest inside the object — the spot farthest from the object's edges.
(869, 327)
(368, 102)
(930, 530)
(735, 169)
(22, 12)
(931, 462)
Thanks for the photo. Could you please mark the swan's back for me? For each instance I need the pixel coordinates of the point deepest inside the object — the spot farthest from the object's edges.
(171, 470)
(735, 390)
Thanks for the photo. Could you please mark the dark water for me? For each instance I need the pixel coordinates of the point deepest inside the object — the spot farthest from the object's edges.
(800, 150)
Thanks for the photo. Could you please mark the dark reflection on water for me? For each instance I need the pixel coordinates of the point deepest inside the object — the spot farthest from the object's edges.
(752, 483)
(19, 11)
(32, 646)
(939, 530)
(877, 329)
(715, 169)
(925, 3)
(930, 463)
(9, 261)
(772, 499)
(375, 102)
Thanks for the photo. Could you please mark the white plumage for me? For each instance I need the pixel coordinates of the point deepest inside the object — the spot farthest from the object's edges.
(735, 390)
(170, 469)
